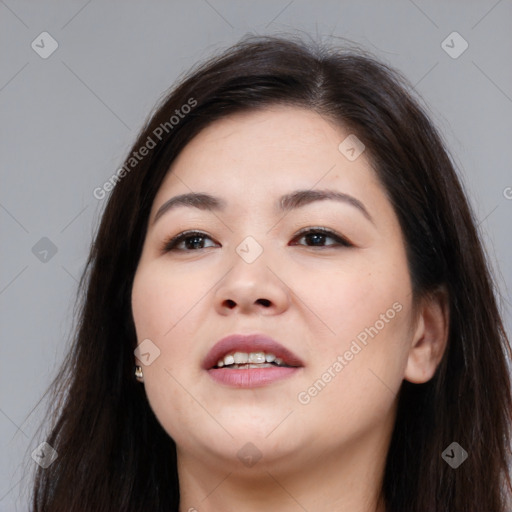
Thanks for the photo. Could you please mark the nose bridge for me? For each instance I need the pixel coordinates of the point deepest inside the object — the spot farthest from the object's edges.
(250, 264)
(251, 234)
(250, 249)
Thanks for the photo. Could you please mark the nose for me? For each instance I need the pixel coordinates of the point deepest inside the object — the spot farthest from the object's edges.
(252, 288)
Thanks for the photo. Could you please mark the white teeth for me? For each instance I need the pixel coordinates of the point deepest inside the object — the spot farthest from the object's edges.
(257, 357)
(247, 366)
(249, 360)
(241, 357)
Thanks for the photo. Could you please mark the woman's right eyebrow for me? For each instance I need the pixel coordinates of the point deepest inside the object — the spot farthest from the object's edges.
(286, 203)
(202, 201)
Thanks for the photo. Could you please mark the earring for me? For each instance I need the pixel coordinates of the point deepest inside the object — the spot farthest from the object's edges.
(138, 373)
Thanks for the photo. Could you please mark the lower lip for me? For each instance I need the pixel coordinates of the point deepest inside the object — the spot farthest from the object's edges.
(251, 377)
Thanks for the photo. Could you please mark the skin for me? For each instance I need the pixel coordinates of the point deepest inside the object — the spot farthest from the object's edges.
(329, 453)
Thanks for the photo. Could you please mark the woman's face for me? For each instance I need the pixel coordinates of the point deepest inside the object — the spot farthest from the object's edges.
(342, 308)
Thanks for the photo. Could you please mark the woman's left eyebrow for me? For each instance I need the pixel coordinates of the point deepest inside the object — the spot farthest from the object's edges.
(300, 198)
(286, 203)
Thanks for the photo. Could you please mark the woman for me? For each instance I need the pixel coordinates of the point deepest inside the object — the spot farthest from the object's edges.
(286, 307)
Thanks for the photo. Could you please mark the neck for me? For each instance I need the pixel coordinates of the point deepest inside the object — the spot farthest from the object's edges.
(345, 480)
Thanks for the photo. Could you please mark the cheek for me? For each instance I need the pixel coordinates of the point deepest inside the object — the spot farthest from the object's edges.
(160, 298)
(354, 384)
(159, 301)
(365, 317)
(157, 308)
(352, 298)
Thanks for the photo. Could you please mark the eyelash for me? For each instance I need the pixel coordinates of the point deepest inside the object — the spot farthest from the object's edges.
(170, 244)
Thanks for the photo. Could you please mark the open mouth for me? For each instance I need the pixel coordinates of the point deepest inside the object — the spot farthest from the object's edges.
(250, 361)
(244, 360)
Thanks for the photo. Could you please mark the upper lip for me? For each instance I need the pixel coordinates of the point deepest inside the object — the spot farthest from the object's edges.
(249, 343)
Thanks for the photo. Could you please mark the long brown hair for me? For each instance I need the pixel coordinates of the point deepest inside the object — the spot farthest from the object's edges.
(112, 452)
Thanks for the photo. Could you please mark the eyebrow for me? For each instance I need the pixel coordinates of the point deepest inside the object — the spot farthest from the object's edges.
(285, 203)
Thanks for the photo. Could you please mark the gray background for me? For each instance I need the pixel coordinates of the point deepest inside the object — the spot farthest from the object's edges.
(67, 122)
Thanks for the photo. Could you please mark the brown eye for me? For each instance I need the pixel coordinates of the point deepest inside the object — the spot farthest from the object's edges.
(317, 237)
(188, 240)
(195, 240)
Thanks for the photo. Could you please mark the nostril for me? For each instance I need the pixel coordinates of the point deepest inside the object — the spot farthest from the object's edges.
(231, 303)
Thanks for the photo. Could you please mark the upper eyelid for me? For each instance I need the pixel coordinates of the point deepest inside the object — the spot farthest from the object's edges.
(302, 232)
(342, 240)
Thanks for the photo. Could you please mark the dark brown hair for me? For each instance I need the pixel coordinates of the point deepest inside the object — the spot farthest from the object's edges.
(114, 454)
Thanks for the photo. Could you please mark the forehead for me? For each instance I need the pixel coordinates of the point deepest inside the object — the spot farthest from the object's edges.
(275, 147)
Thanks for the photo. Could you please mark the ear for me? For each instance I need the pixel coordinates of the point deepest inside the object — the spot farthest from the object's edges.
(430, 337)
